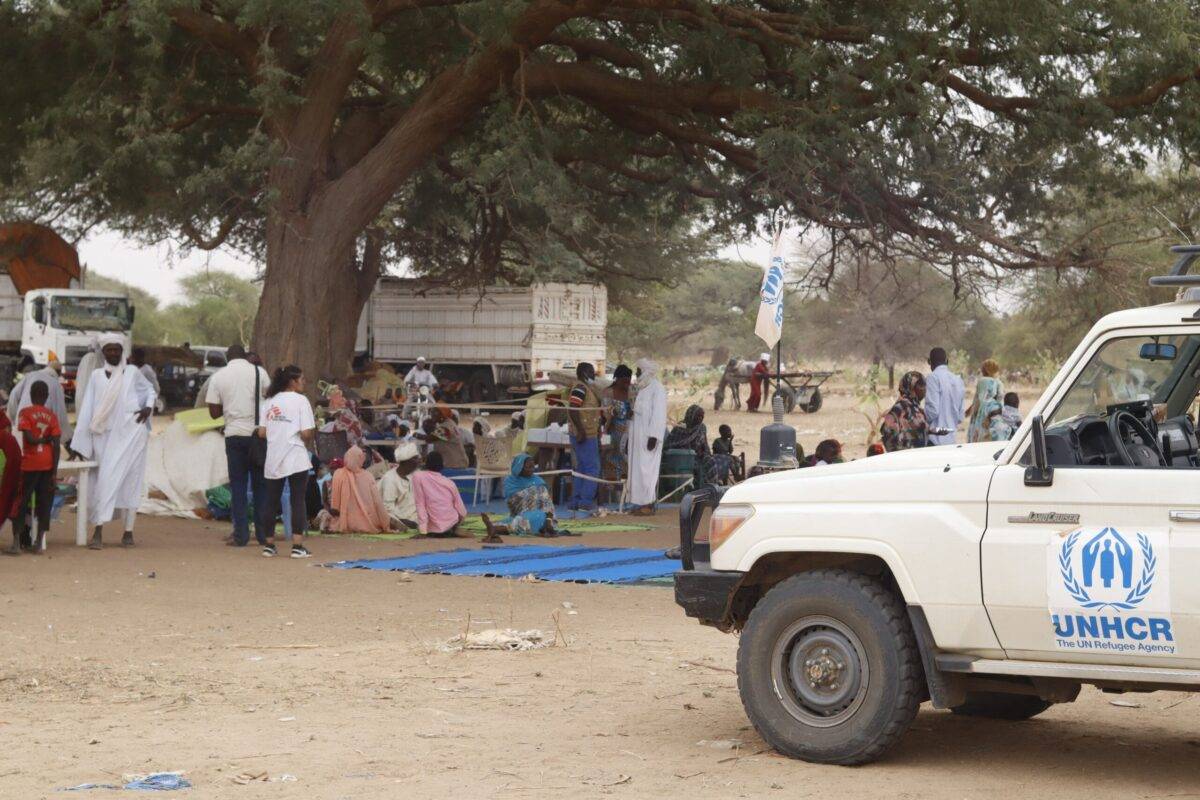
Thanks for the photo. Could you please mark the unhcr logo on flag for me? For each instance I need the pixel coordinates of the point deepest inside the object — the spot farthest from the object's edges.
(769, 326)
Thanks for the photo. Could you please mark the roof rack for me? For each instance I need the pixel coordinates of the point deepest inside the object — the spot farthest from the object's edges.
(1179, 273)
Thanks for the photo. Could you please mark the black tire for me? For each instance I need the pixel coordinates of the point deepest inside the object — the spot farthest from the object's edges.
(874, 655)
(815, 402)
(789, 399)
(481, 387)
(1001, 705)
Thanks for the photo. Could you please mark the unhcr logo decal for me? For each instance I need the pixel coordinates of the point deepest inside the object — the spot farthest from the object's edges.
(1108, 591)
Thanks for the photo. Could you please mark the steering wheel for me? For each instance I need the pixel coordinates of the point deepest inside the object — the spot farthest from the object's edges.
(1147, 453)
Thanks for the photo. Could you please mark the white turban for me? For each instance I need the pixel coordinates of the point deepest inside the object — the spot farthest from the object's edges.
(406, 451)
(649, 371)
(765, 357)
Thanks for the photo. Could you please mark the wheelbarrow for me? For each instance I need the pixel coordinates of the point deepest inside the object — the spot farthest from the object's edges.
(803, 390)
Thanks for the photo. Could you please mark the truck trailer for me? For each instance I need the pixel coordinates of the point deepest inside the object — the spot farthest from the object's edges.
(499, 341)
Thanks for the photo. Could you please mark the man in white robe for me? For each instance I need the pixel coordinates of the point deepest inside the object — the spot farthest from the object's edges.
(646, 433)
(56, 401)
(90, 362)
(113, 430)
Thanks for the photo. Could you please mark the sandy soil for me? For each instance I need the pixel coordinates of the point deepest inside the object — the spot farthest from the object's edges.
(226, 663)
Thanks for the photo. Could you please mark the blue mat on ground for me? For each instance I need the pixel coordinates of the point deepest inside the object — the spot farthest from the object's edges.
(574, 564)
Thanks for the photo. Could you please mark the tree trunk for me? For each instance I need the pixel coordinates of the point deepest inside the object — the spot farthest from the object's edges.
(313, 294)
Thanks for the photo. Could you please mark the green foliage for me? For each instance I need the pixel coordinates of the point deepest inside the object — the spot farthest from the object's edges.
(891, 314)
(712, 305)
(609, 142)
(218, 308)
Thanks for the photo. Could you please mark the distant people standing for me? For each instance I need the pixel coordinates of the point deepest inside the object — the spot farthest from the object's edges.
(236, 392)
(10, 479)
(584, 414)
(944, 395)
(138, 359)
(88, 364)
(646, 437)
(904, 425)
(40, 437)
(56, 400)
(986, 424)
(286, 422)
(617, 402)
(760, 377)
(113, 429)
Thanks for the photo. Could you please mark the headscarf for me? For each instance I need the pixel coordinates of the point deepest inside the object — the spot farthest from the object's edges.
(516, 482)
(904, 426)
(357, 497)
(691, 435)
(101, 415)
(649, 372)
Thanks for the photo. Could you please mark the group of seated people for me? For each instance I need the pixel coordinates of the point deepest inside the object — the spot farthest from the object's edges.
(717, 463)
(414, 495)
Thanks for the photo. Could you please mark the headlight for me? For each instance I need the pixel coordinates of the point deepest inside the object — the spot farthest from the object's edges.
(724, 521)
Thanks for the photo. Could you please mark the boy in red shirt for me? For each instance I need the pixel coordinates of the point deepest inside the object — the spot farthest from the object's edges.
(40, 435)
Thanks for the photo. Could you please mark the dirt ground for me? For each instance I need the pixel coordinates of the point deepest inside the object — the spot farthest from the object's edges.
(225, 663)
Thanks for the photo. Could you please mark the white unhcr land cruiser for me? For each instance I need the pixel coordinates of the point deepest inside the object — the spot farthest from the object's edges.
(992, 579)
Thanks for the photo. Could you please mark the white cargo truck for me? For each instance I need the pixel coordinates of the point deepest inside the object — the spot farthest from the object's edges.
(58, 321)
(502, 340)
(992, 579)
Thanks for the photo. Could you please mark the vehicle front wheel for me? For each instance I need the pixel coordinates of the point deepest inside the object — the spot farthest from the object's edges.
(828, 667)
(1001, 705)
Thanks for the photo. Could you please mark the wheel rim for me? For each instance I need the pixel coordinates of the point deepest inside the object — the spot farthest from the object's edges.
(820, 671)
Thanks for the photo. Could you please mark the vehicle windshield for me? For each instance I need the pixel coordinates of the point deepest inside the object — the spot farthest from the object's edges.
(90, 313)
(1125, 370)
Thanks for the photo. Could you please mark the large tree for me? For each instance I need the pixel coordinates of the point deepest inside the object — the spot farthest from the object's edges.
(490, 140)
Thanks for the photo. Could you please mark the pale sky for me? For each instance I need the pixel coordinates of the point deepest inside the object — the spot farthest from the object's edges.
(156, 269)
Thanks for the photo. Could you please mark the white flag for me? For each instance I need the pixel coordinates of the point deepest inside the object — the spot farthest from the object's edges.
(769, 326)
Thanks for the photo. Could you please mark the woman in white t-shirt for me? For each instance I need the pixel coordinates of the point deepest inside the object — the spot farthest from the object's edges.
(286, 421)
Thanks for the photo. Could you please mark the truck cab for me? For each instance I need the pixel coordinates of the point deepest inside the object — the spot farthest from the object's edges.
(992, 579)
(63, 321)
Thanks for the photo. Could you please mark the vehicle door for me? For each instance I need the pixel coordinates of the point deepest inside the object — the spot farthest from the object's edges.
(1099, 563)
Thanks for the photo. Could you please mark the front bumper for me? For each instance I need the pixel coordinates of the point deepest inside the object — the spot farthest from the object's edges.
(703, 593)
(706, 594)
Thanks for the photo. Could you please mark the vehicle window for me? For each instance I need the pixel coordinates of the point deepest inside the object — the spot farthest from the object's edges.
(90, 313)
(215, 360)
(1122, 371)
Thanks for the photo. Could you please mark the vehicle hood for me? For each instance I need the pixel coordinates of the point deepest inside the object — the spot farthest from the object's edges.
(888, 467)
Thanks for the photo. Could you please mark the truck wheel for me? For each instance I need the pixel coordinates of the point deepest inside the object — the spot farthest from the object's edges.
(481, 387)
(1001, 705)
(828, 668)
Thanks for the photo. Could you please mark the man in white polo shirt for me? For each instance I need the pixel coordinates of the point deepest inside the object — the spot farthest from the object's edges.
(231, 394)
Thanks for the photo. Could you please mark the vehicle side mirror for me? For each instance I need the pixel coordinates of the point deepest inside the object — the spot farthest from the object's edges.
(132, 310)
(39, 311)
(1039, 473)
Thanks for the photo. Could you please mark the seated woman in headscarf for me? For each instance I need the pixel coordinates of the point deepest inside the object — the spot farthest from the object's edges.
(693, 435)
(354, 500)
(904, 425)
(529, 502)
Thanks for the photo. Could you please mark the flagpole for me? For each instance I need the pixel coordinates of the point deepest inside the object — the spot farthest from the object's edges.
(778, 366)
